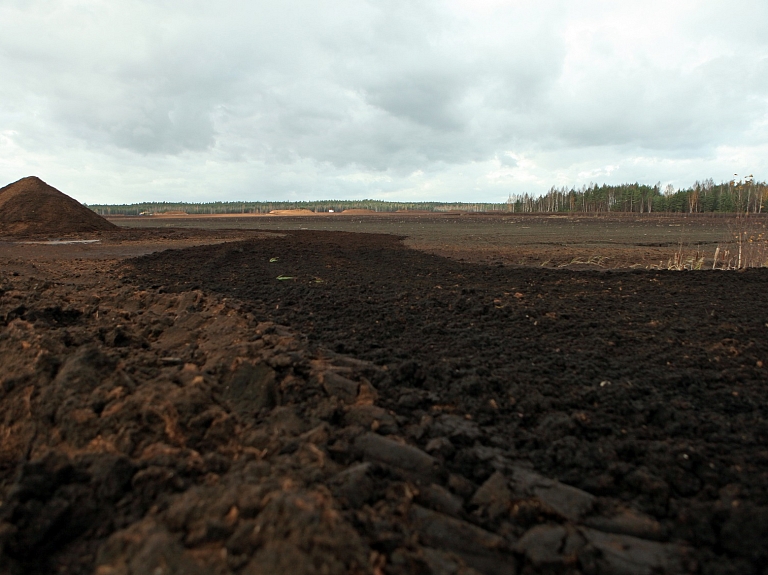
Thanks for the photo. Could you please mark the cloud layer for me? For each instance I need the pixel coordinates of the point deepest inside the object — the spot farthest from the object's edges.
(134, 100)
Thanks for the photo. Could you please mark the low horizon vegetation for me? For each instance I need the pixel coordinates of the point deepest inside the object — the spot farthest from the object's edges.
(743, 196)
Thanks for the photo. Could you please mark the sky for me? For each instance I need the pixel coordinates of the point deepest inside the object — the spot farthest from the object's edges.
(122, 101)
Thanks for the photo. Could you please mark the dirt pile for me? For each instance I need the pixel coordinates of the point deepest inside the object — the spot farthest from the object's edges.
(298, 212)
(32, 207)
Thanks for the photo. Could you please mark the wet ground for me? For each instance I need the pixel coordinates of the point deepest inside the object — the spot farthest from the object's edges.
(416, 414)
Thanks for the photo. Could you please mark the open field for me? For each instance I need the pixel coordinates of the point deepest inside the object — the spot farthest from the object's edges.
(272, 399)
(612, 241)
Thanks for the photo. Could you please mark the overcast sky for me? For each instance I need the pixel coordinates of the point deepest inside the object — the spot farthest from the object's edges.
(119, 101)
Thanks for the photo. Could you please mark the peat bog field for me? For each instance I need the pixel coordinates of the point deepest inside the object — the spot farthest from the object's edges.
(321, 400)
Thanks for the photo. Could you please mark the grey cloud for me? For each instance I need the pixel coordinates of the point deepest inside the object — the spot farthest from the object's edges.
(422, 98)
(662, 109)
(319, 90)
(149, 125)
(399, 93)
(506, 160)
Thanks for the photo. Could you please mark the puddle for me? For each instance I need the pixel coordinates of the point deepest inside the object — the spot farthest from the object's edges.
(62, 242)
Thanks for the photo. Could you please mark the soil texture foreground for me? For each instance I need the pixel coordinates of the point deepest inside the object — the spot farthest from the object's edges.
(329, 402)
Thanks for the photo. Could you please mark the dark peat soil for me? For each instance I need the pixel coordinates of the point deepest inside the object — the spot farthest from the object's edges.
(647, 387)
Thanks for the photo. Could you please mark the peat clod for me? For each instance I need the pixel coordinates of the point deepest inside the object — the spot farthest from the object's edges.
(30, 207)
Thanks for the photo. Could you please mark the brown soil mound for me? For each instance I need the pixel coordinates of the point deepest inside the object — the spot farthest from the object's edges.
(32, 207)
(292, 212)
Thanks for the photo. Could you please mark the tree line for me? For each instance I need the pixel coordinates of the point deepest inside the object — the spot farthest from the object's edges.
(148, 208)
(742, 196)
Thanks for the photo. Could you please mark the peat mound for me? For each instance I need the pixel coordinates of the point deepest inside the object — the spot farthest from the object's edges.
(29, 206)
(299, 212)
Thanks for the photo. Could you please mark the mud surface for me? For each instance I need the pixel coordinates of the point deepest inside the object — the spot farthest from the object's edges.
(113, 244)
(379, 410)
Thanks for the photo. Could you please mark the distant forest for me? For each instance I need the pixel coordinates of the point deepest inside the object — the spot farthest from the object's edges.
(729, 197)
